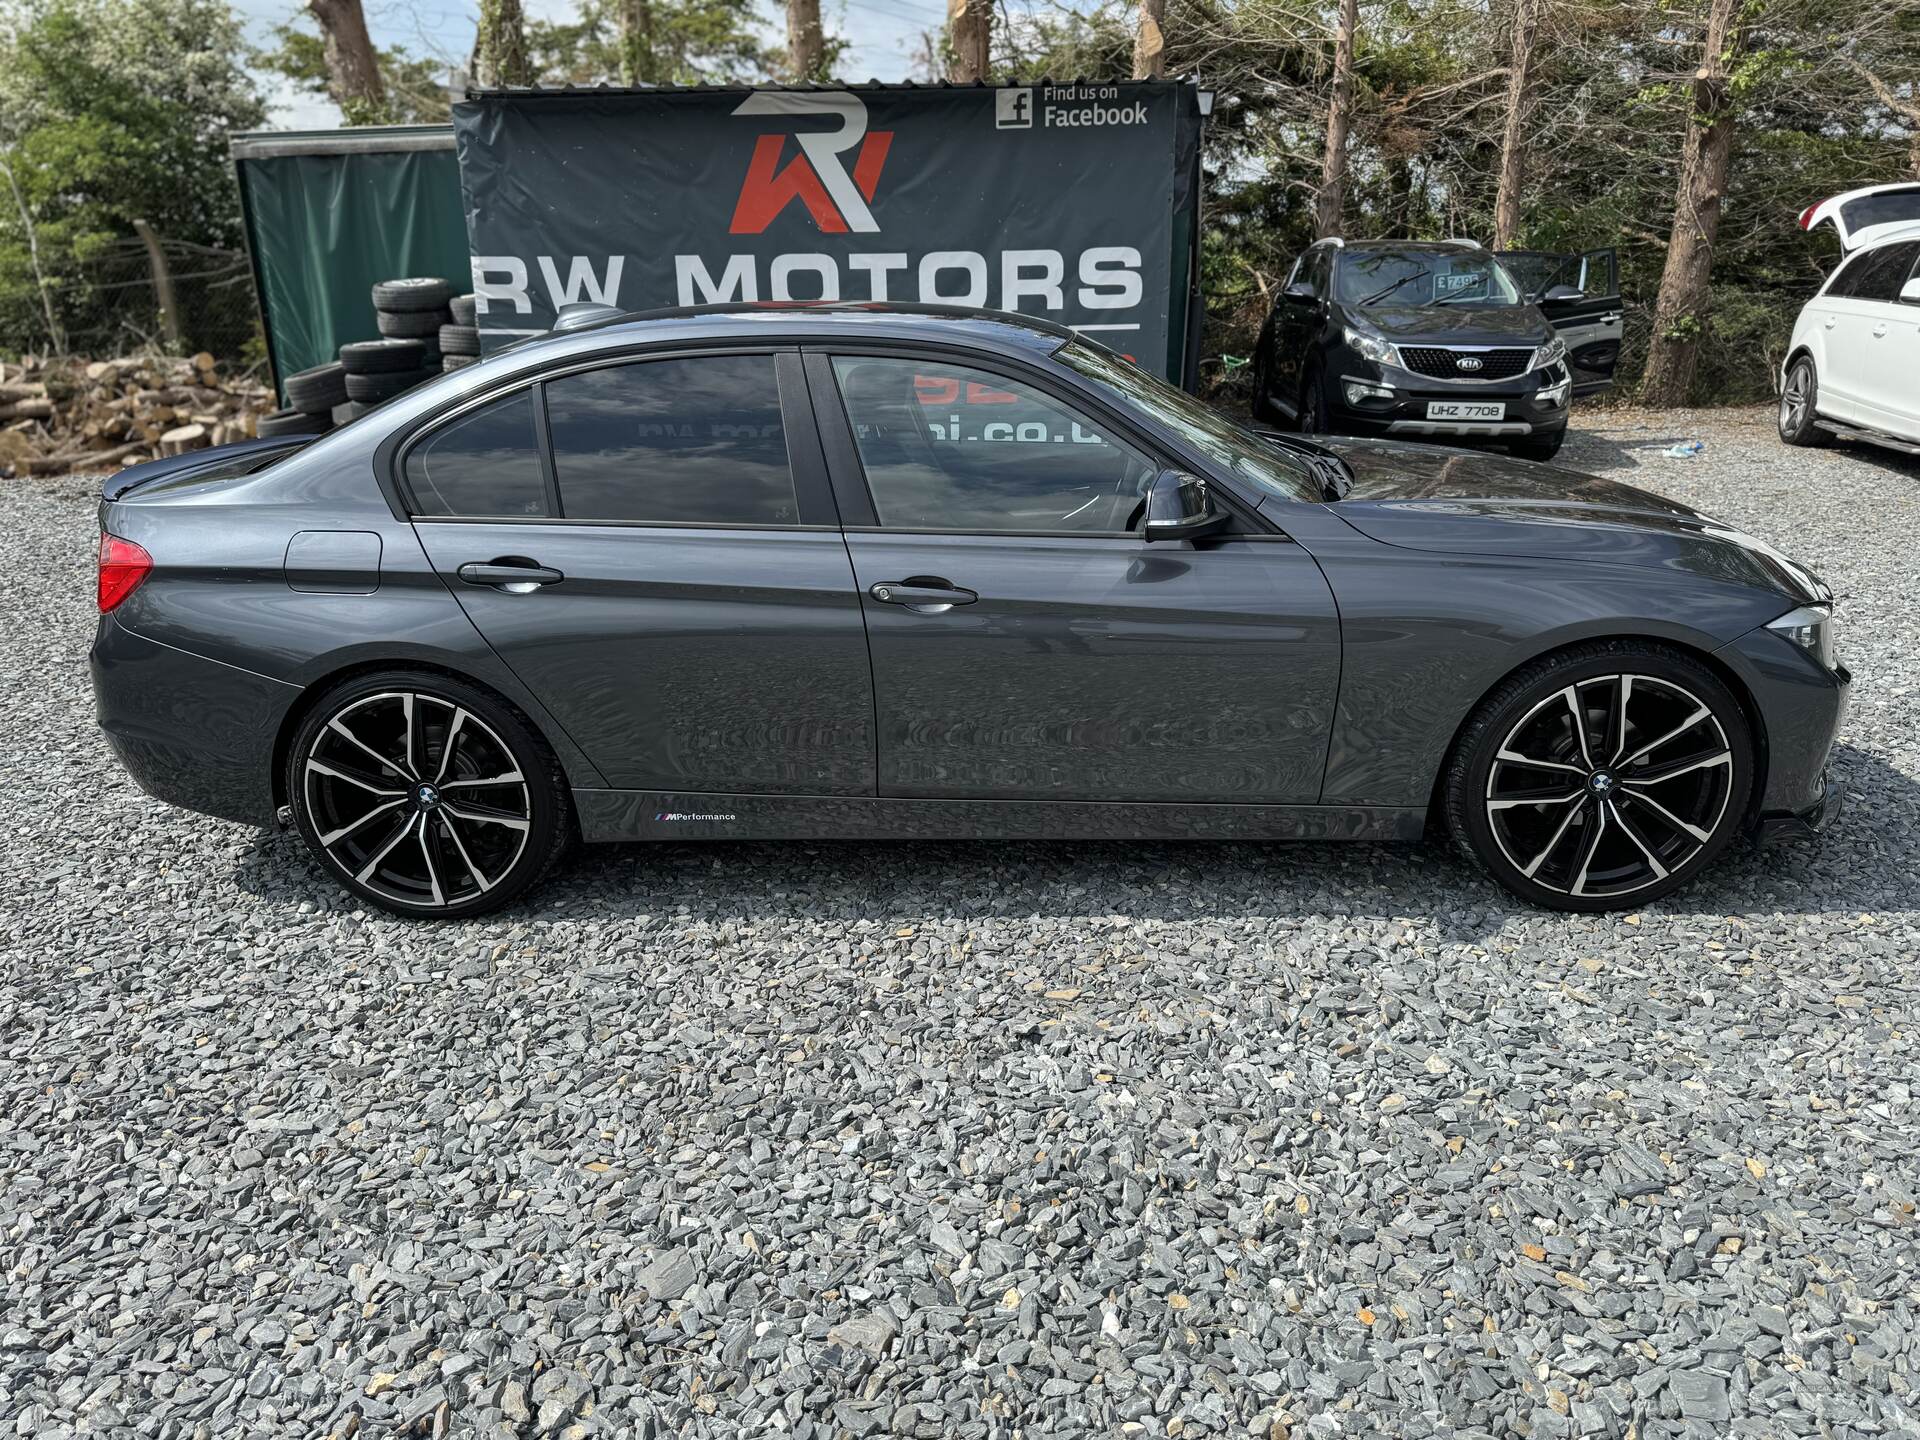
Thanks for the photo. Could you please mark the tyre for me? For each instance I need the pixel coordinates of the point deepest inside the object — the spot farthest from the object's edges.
(1540, 447)
(463, 310)
(1313, 404)
(292, 422)
(1800, 406)
(425, 795)
(374, 388)
(318, 390)
(451, 363)
(1601, 778)
(379, 357)
(420, 294)
(459, 340)
(410, 324)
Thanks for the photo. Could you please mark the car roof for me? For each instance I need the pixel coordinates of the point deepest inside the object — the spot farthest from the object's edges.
(948, 324)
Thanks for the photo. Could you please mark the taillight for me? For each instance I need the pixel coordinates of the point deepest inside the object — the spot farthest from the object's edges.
(123, 565)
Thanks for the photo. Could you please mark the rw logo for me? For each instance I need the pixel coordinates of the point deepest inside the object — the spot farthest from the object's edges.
(817, 176)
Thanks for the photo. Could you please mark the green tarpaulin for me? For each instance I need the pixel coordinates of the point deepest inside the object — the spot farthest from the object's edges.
(329, 213)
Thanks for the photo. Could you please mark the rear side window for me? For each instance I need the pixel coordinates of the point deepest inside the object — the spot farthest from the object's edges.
(1875, 274)
(693, 441)
(486, 463)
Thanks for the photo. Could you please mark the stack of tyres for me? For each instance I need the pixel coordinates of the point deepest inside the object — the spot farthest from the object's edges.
(378, 370)
(312, 398)
(460, 341)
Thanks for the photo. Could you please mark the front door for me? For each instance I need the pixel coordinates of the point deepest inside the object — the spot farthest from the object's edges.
(673, 586)
(1589, 322)
(1027, 644)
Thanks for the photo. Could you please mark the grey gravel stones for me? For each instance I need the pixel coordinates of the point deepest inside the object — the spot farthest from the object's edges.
(964, 1140)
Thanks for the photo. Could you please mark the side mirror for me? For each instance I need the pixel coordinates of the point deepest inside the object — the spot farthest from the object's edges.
(1910, 292)
(1564, 292)
(1179, 508)
(1300, 294)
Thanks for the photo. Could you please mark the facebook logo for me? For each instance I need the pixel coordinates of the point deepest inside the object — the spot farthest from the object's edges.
(1013, 109)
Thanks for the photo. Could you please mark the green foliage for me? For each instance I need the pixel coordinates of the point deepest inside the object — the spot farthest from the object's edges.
(680, 42)
(112, 111)
(417, 89)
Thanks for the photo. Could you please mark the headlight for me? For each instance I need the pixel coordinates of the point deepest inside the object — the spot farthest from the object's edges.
(1551, 353)
(1371, 347)
(1811, 628)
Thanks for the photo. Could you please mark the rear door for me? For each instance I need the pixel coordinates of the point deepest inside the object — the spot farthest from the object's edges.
(651, 544)
(1591, 323)
(1027, 643)
(1863, 345)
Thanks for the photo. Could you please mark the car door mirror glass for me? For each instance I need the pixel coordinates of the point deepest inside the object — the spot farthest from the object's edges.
(1179, 506)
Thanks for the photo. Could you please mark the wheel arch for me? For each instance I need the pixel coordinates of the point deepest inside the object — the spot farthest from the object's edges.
(1714, 664)
(321, 684)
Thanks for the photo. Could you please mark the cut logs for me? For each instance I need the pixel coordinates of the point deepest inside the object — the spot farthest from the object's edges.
(74, 416)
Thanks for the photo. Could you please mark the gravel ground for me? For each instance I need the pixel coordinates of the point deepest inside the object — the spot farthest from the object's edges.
(965, 1140)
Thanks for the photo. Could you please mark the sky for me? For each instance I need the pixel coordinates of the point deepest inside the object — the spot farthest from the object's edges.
(883, 38)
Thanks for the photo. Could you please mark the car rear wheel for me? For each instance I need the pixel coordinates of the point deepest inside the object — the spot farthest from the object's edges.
(426, 796)
(1601, 778)
(1799, 406)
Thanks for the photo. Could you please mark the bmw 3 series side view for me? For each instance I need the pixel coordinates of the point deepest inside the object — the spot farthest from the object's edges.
(894, 573)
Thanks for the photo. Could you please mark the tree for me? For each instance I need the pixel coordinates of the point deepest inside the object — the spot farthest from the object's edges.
(680, 42)
(1150, 41)
(112, 111)
(500, 55)
(1333, 166)
(1513, 143)
(970, 39)
(1679, 315)
(352, 67)
(417, 91)
(806, 42)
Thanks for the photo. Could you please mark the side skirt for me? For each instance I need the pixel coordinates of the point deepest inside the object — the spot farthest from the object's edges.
(667, 815)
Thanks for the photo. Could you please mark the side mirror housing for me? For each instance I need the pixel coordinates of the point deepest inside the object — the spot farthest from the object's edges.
(1564, 292)
(1910, 292)
(1179, 507)
(1300, 294)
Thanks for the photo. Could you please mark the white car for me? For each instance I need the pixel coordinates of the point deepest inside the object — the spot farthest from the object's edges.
(1853, 367)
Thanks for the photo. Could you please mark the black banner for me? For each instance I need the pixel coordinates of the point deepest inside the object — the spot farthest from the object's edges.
(1074, 202)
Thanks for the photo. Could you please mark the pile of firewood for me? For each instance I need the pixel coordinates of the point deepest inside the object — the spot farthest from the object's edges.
(59, 417)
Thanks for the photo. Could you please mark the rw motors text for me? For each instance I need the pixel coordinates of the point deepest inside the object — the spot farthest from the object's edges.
(1102, 277)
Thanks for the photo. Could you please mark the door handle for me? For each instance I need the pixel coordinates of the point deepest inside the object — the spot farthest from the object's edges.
(1879, 330)
(928, 594)
(1831, 322)
(512, 573)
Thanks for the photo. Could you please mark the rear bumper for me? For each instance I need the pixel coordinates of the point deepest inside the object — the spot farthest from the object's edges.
(190, 731)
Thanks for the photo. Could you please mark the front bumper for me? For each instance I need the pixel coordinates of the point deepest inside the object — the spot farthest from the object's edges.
(1371, 399)
(1809, 823)
(190, 731)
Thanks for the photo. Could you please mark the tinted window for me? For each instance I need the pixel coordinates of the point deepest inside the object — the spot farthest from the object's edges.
(1888, 207)
(1877, 273)
(1847, 277)
(485, 463)
(695, 441)
(946, 447)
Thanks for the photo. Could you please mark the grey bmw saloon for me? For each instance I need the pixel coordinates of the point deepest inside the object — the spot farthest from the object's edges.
(868, 572)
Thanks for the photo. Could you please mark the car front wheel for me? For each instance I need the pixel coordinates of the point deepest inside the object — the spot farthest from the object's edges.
(425, 795)
(1799, 406)
(1601, 778)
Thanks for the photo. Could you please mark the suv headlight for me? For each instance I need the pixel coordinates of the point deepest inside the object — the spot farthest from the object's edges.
(1551, 353)
(1370, 347)
(1811, 628)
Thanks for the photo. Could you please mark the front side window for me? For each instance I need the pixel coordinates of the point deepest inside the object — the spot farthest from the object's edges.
(948, 447)
(691, 441)
(484, 464)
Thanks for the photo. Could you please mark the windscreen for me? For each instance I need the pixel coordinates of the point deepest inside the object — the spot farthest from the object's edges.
(1199, 424)
(1419, 278)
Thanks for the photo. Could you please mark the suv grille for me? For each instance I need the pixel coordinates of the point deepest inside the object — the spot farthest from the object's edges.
(1445, 364)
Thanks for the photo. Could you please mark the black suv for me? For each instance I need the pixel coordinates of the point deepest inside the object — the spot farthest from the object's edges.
(1437, 339)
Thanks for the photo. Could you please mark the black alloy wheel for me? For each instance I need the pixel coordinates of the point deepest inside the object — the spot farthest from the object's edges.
(1602, 778)
(426, 796)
